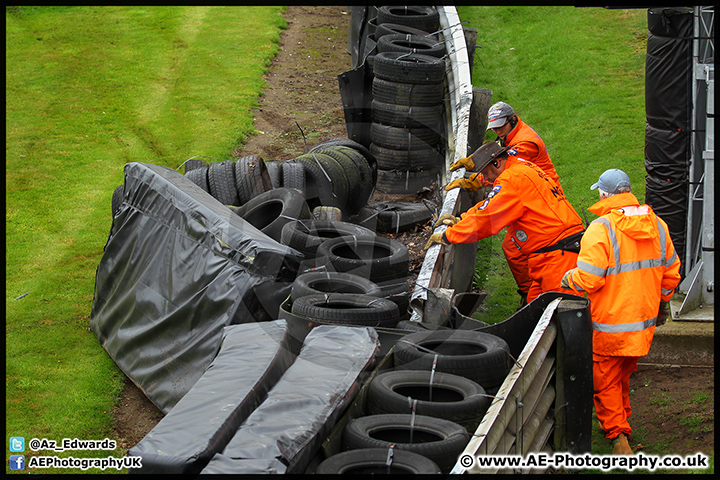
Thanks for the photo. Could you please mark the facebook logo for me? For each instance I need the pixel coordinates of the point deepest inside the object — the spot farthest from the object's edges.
(17, 462)
(17, 444)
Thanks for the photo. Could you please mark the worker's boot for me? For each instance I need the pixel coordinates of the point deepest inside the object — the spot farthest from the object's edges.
(621, 446)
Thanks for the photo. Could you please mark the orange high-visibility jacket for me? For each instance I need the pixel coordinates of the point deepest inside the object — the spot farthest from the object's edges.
(529, 146)
(527, 201)
(627, 264)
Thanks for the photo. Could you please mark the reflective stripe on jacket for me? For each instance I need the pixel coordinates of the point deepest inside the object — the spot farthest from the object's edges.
(529, 146)
(627, 264)
(527, 201)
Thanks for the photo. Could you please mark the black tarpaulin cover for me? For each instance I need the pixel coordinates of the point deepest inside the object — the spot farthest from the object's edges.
(286, 430)
(252, 357)
(177, 268)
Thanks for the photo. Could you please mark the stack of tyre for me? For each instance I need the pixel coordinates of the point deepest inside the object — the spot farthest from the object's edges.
(351, 276)
(428, 405)
(407, 98)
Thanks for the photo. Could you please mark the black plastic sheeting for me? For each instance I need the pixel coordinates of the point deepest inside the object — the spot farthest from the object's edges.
(669, 200)
(668, 107)
(667, 153)
(284, 433)
(252, 358)
(177, 268)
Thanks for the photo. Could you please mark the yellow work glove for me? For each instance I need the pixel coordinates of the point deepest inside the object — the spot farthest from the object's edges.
(447, 219)
(466, 162)
(435, 238)
(663, 314)
(565, 282)
(472, 184)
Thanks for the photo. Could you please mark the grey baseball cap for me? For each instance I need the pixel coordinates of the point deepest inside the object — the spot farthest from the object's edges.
(611, 180)
(498, 115)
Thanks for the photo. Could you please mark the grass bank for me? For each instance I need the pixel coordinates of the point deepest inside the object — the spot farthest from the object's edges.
(89, 89)
(577, 77)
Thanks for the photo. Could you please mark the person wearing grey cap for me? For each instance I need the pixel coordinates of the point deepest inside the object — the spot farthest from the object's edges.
(524, 144)
(629, 269)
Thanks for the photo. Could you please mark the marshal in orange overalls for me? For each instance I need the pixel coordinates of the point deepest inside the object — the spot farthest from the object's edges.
(536, 213)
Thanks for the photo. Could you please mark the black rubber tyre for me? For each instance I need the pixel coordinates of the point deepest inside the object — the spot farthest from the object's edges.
(395, 217)
(416, 160)
(394, 181)
(405, 43)
(251, 177)
(405, 116)
(395, 28)
(347, 309)
(199, 177)
(440, 440)
(413, 68)
(117, 199)
(373, 257)
(451, 397)
(325, 181)
(194, 163)
(352, 174)
(481, 357)
(274, 169)
(407, 93)
(221, 178)
(270, 211)
(318, 283)
(332, 214)
(422, 17)
(403, 138)
(346, 142)
(371, 461)
(419, 326)
(367, 182)
(293, 176)
(306, 235)
(398, 292)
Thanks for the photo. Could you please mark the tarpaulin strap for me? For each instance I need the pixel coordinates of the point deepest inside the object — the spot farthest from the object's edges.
(432, 376)
(389, 459)
(412, 419)
(326, 174)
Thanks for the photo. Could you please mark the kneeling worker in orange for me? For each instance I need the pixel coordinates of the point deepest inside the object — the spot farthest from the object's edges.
(534, 209)
(526, 145)
(629, 268)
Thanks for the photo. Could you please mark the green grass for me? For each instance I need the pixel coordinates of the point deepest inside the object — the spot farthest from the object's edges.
(89, 89)
(576, 76)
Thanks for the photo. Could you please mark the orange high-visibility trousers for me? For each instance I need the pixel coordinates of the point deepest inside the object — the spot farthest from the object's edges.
(547, 269)
(611, 385)
(518, 263)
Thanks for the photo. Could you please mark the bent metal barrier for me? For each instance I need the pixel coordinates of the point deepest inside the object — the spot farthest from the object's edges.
(545, 402)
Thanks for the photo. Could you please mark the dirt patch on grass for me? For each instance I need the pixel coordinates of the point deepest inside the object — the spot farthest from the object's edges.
(673, 410)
